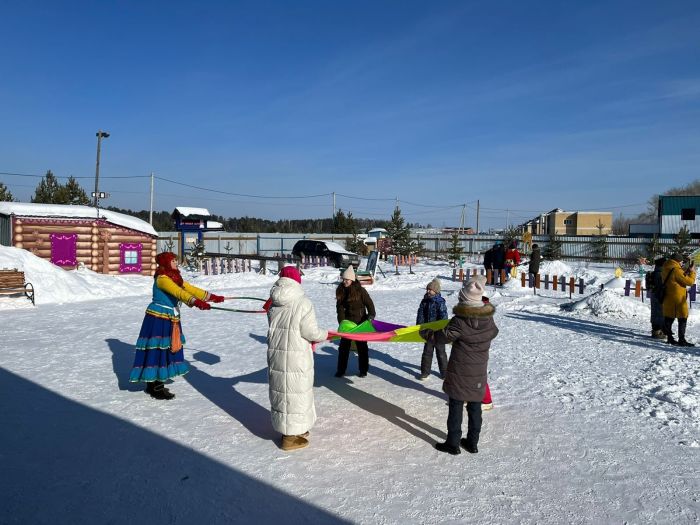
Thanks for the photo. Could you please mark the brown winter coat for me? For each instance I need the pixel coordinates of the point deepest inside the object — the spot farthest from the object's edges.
(470, 331)
(675, 303)
(354, 304)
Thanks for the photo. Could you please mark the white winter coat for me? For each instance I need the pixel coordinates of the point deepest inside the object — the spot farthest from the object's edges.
(290, 358)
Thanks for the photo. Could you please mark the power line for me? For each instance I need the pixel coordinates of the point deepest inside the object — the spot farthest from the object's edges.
(244, 194)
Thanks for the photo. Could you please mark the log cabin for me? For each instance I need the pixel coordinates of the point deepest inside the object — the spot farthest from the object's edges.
(70, 235)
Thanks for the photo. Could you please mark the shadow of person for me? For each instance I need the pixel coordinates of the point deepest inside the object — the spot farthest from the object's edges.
(387, 375)
(606, 331)
(123, 466)
(259, 338)
(122, 362)
(394, 414)
(221, 392)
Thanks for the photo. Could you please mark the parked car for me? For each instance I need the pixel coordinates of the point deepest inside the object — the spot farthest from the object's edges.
(336, 254)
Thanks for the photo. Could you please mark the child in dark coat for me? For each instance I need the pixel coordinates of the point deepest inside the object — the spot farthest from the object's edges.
(432, 308)
(470, 331)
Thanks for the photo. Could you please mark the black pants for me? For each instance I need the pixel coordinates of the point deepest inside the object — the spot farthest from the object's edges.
(344, 355)
(454, 422)
(668, 327)
(426, 362)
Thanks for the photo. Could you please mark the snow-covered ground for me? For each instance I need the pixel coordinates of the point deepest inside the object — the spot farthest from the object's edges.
(594, 421)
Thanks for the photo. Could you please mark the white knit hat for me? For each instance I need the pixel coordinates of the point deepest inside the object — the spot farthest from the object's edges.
(349, 273)
(473, 290)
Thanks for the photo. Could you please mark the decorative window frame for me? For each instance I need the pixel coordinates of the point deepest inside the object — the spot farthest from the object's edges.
(124, 267)
(60, 255)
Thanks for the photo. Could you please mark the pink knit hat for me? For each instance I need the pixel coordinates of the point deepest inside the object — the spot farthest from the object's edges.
(291, 272)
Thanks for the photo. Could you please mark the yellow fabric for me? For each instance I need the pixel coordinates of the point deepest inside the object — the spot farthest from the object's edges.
(675, 303)
(410, 334)
(187, 293)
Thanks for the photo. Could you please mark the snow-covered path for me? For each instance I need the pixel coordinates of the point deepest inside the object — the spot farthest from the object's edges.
(594, 421)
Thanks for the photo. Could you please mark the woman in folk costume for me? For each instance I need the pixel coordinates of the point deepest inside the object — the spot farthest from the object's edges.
(292, 332)
(352, 303)
(159, 354)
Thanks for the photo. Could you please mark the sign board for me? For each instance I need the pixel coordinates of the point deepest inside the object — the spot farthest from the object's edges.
(372, 263)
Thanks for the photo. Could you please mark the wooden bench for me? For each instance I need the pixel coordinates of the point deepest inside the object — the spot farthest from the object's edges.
(12, 283)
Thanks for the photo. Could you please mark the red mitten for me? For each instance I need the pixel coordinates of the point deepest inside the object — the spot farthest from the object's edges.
(202, 305)
(268, 305)
(216, 298)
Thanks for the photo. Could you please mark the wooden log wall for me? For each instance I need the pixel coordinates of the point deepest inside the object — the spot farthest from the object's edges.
(97, 245)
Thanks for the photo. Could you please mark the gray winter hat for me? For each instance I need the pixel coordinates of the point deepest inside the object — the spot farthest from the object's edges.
(473, 290)
(434, 285)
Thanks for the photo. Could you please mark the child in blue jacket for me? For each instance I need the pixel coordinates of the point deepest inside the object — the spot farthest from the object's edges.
(432, 308)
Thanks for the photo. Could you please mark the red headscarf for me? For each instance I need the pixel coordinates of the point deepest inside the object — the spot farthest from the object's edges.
(164, 259)
(291, 272)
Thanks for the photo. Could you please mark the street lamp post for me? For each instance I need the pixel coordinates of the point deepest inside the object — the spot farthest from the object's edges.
(100, 134)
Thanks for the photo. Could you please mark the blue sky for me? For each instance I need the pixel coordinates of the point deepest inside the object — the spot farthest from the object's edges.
(524, 106)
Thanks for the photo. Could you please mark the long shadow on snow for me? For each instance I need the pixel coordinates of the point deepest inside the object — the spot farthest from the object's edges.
(122, 362)
(388, 376)
(222, 392)
(325, 365)
(608, 332)
(61, 458)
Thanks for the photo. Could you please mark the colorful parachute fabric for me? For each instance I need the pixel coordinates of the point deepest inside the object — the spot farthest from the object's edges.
(381, 331)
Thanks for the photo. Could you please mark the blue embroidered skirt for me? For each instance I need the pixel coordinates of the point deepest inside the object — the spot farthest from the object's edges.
(154, 360)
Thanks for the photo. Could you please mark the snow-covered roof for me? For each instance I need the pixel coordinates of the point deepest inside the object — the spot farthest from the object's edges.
(186, 212)
(31, 209)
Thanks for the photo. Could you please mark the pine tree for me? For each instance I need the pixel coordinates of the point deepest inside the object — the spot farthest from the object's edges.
(400, 235)
(454, 252)
(552, 251)
(73, 193)
(354, 243)
(683, 241)
(48, 191)
(510, 235)
(599, 245)
(339, 222)
(654, 248)
(5, 195)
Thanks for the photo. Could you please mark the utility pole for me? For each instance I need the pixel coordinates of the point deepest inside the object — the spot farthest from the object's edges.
(333, 205)
(150, 214)
(507, 218)
(461, 220)
(100, 134)
(477, 217)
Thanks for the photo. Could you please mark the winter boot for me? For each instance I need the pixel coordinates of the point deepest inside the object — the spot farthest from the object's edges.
(671, 340)
(444, 447)
(294, 442)
(682, 323)
(469, 447)
(658, 334)
(157, 390)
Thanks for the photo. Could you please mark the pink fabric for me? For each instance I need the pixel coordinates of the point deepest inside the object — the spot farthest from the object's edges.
(362, 336)
(291, 272)
(487, 395)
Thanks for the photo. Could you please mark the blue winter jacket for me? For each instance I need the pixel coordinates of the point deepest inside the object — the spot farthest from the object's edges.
(431, 309)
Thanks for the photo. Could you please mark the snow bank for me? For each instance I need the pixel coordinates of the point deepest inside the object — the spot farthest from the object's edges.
(56, 285)
(609, 304)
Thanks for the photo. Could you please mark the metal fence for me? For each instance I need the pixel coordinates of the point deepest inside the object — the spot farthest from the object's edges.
(245, 243)
(621, 250)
